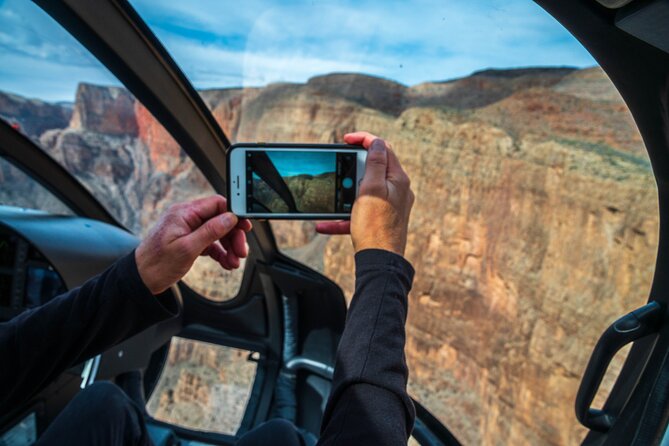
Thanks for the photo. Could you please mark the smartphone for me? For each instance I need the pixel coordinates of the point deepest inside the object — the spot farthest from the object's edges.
(294, 181)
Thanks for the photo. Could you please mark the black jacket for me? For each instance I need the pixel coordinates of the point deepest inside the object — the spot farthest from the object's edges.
(368, 404)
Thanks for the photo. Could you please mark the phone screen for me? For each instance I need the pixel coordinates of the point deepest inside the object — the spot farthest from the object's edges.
(300, 181)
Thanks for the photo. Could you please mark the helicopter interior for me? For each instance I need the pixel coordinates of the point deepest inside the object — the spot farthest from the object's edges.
(278, 314)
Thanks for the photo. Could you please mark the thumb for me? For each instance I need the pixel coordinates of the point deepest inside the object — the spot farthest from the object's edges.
(376, 166)
(212, 230)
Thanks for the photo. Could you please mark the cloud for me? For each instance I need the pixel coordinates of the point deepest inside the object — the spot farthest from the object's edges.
(255, 42)
(40, 59)
(215, 67)
(410, 42)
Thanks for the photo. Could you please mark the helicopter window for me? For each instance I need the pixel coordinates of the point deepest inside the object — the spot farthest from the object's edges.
(20, 190)
(204, 387)
(61, 97)
(535, 223)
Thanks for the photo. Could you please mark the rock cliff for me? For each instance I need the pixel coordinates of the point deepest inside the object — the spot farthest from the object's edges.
(535, 225)
(33, 116)
(311, 194)
(535, 222)
(205, 387)
(106, 110)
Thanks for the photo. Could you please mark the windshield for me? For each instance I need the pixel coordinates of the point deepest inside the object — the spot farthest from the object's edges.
(535, 221)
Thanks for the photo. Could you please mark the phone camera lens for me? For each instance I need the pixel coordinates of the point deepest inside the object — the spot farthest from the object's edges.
(347, 183)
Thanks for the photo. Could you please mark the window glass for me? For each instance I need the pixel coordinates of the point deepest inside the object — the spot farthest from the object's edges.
(61, 97)
(609, 379)
(535, 223)
(299, 240)
(18, 189)
(203, 386)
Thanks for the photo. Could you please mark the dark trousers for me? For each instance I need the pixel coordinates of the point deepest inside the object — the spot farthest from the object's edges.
(103, 415)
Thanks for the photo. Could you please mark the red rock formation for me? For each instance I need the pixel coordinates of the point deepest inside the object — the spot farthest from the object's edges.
(106, 110)
(166, 155)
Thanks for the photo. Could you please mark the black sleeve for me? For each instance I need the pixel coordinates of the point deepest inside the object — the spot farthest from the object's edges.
(38, 345)
(369, 403)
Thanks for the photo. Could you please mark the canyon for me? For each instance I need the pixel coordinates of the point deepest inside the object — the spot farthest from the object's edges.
(310, 193)
(535, 223)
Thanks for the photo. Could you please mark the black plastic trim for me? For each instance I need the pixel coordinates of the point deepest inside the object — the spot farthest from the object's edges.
(429, 430)
(629, 328)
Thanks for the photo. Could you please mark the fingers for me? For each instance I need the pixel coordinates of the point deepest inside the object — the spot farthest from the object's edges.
(216, 252)
(238, 243)
(366, 139)
(230, 260)
(212, 230)
(197, 212)
(245, 225)
(395, 171)
(231, 249)
(334, 227)
(374, 180)
(360, 139)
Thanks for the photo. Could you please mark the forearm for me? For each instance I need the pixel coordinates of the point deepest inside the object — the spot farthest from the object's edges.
(40, 344)
(369, 386)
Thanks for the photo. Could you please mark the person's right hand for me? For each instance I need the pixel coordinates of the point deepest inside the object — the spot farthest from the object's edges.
(380, 214)
(186, 231)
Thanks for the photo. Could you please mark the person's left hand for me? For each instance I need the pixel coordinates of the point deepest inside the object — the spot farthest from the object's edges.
(186, 231)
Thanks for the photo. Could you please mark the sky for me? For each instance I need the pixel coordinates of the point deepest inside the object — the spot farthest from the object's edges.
(289, 164)
(221, 43)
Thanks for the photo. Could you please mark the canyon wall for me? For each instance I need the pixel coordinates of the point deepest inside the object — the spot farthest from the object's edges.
(204, 387)
(535, 223)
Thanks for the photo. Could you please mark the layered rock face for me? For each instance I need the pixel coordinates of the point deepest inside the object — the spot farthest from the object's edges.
(34, 116)
(107, 110)
(204, 387)
(535, 223)
(311, 194)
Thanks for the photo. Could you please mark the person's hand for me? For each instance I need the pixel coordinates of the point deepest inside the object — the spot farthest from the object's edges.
(380, 214)
(186, 231)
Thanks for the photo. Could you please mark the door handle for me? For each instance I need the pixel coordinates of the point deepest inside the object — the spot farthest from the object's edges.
(629, 328)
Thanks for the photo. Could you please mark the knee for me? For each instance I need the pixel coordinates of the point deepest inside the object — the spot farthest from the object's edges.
(99, 414)
(104, 390)
(105, 397)
(281, 427)
(276, 431)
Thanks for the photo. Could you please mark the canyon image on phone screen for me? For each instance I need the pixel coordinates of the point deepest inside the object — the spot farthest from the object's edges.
(313, 182)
